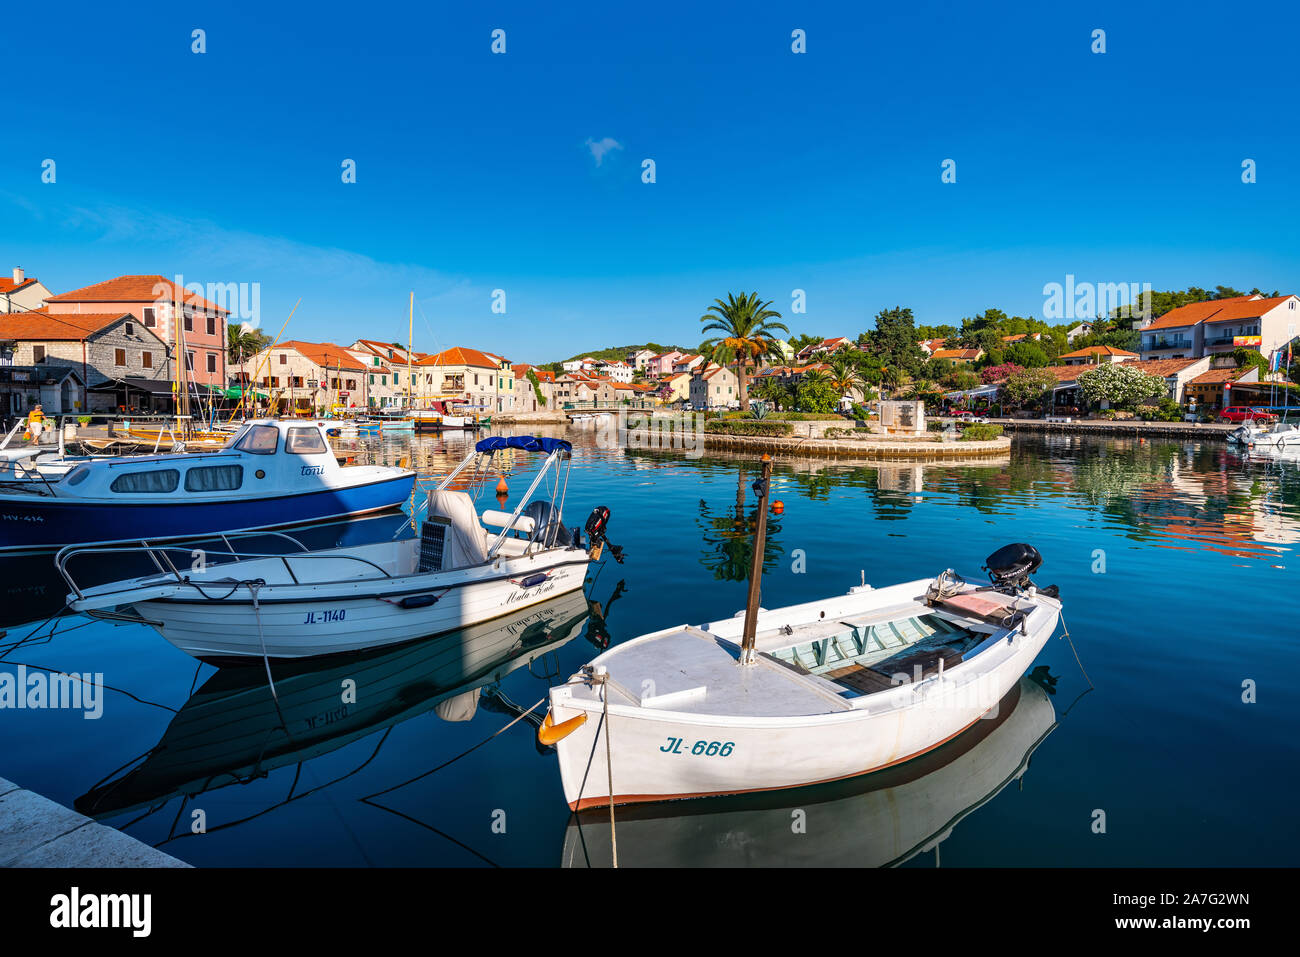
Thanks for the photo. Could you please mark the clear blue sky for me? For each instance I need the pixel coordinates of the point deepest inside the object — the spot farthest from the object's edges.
(775, 171)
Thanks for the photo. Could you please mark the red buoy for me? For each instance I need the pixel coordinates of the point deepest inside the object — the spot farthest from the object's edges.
(778, 507)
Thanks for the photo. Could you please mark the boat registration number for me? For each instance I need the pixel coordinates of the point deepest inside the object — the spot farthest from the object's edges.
(707, 748)
(325, 617)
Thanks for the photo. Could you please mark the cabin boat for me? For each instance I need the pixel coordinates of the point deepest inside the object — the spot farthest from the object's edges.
(1280, 438)
(270, 474)
(462, 569)
(882, 820)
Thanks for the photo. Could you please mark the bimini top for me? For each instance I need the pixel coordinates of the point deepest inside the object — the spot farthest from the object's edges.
(529, 443)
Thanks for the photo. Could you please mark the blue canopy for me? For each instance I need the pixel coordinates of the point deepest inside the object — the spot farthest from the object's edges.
(529, 443)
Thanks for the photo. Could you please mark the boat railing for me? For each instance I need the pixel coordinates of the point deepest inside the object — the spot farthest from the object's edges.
(158, 552)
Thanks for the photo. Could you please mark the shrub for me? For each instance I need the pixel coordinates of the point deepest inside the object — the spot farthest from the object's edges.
(805, 416)
(748, 427)
(981, 433)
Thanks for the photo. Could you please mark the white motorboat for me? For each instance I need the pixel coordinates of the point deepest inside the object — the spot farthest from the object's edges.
(1278, 438)
(333, 601)
(793, 696)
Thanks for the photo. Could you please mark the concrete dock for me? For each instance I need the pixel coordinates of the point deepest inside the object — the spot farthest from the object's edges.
(36, 832)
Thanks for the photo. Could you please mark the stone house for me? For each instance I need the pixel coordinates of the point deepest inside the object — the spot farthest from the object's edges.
(102, 348)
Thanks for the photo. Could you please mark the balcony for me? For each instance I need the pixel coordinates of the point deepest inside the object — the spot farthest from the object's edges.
(1166, 342)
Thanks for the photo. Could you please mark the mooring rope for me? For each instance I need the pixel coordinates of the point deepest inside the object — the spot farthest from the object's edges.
(1066, 635)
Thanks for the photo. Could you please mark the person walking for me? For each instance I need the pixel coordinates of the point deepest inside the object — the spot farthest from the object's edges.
(35, 423)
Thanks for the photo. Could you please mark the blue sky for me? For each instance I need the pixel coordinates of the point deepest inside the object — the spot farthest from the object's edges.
(775, 171)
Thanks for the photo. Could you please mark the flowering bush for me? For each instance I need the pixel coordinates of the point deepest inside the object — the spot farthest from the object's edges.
(996, 373)
(1119, 384)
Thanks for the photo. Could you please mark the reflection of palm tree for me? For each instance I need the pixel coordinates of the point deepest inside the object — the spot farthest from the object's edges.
(729, 538)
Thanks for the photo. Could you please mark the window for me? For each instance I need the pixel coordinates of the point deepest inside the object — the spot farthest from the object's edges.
(159, 480)
(305, 442)
(212, 362)
(352, 383)
(119, 357)
(372, 380)
(275, 381)
(189, 322)
(212, 325)
(130, 328)
(376, 361)
(295, 381)
(150, 320)
(38, 354)
(383, 380)
(260, 440)
(283, 358)
(146, 360)
(189, 361)
(214, 478)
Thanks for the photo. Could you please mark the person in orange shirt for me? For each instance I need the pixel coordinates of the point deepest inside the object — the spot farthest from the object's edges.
(35, 423)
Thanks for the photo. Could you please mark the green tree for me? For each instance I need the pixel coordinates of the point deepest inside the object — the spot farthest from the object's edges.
(816, 393)
(845, 375)
(1250, 357)
(893, 341)
(1030, 355)
(1029, 387)
(746, 335)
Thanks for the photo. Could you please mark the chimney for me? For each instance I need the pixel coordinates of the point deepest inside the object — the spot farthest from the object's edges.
(18, 275)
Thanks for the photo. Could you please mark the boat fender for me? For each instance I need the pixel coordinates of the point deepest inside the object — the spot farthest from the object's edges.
(532, 580)
(551, 733)
(418, 601)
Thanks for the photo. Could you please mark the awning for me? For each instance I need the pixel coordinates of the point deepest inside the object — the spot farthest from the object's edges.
(132, 384)
(528, 443)
(984, 391)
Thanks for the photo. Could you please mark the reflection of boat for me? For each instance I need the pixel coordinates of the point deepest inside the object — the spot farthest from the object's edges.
(271, 474)
(879, 821)
(341, 600)
(800, 695)
(231, 730)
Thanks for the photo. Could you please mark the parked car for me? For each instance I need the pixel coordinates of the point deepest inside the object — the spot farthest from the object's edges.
(1242, 413)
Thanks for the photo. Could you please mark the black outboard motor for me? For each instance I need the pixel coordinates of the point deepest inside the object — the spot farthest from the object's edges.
(1011, 565)
(596, 527)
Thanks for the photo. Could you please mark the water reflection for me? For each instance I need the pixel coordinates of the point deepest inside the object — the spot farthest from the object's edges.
(234, 731)
(728, 535)
(880, 820)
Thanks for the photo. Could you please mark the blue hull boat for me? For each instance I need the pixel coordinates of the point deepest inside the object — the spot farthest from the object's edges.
(271, 475)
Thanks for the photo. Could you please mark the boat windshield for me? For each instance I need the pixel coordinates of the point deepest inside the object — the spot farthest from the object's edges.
(258, 439)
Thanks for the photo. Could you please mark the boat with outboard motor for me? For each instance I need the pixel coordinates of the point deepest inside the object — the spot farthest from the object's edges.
(270, 474)
(310, 604)
(810, 693)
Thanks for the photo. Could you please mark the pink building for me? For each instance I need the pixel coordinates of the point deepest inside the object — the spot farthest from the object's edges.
(154, 300)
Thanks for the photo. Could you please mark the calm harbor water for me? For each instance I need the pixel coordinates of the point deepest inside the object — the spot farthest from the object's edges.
(1176, 565)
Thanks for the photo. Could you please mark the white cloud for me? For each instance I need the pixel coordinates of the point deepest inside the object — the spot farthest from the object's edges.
(602, 146)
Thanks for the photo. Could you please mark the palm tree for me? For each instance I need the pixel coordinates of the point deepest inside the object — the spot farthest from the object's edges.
(746, 335)
(846, 376)
(242, 342)
(893, 377)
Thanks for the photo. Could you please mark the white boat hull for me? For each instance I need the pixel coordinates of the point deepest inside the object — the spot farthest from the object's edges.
(661, 754)
(299, 625)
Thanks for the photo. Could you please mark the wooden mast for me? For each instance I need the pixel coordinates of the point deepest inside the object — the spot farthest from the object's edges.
(763, 485)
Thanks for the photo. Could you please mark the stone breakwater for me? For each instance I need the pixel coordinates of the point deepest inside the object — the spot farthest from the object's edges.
(872, 448)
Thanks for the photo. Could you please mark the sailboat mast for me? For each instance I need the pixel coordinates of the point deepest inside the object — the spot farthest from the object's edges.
(410, 334)
(763, 485)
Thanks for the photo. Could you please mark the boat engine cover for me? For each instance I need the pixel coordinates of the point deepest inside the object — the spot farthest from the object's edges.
(1013, 564)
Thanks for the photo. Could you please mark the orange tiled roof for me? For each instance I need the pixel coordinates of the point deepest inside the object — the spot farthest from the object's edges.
(40, 325)
(137, 289)
(1095, 350)
(1216, 310)
(326, 354)
(956, 354)
(7, 285)
(1218, 376)
(460, 356)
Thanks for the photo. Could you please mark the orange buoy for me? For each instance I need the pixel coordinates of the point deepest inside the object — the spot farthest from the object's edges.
(502, 487)
(550, 732)
(778, 507)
